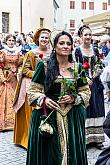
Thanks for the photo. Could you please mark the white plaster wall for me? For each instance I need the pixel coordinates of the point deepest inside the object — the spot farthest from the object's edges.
(12, 7)
(77, 14)
(32, 10)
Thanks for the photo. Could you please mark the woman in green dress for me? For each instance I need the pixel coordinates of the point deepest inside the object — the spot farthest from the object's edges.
(59, 93)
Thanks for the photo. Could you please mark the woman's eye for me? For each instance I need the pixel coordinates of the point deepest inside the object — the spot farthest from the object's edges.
(44, 38)
(69, 44)
(61, 43)
(87, 34)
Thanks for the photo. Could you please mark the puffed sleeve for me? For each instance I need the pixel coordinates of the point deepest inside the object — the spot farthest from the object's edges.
(28, 69)
(84, 94)
(36, 91)
(78, 55)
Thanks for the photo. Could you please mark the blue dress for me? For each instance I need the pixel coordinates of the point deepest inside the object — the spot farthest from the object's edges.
(95, 111)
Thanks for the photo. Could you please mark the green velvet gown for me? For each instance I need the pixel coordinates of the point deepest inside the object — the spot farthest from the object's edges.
(44, 150)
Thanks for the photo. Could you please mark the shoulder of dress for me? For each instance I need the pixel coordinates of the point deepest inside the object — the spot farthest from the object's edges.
(29, 53)
(40, 63)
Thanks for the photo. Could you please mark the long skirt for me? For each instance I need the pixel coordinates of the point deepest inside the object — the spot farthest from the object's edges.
(95, 114)
(7, 114)
(43, 150)
(22, 123)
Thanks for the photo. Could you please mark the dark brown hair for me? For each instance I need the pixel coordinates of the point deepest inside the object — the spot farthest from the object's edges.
(52, 63)
(82, 28)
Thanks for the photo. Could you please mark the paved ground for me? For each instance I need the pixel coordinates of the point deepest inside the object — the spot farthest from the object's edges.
(11, 154)
(14, 155)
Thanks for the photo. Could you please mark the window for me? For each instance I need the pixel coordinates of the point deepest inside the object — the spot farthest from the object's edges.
(72, 23)
(41, 22)
(108, 2)
(72, 4)
(91, 5)
(5, 22)
(83, 5)
(104, 6)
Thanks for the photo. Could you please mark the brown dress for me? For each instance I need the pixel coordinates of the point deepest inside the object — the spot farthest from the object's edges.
(8, 79)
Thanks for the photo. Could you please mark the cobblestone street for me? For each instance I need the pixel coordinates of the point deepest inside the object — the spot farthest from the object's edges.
(11, 154)
(14, 155)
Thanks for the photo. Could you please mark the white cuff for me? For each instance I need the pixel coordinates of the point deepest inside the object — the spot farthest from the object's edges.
(78, 100)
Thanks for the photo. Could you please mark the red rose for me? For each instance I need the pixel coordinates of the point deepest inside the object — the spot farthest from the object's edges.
(41, 55)
(86, 65)
(101, 55)
(1, 65)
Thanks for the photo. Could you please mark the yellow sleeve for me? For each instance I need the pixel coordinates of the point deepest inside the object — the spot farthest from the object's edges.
(28, 69)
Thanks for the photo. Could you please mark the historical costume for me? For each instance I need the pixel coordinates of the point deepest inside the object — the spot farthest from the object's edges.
(95, 111)
(21, 107)
(9, 63)
(66, 143)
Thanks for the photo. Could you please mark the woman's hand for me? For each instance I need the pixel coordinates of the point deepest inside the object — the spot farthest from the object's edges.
(66, 99)
(51, 104)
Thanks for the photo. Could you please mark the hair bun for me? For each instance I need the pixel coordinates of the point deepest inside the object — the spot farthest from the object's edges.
(81, 29)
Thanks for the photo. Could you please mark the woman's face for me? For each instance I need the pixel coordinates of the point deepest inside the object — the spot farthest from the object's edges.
(10, 42)
(77, 43)
(86, 36)
(63, 46)
(44, 39)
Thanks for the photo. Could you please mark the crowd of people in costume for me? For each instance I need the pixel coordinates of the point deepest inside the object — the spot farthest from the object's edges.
(52, 93)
